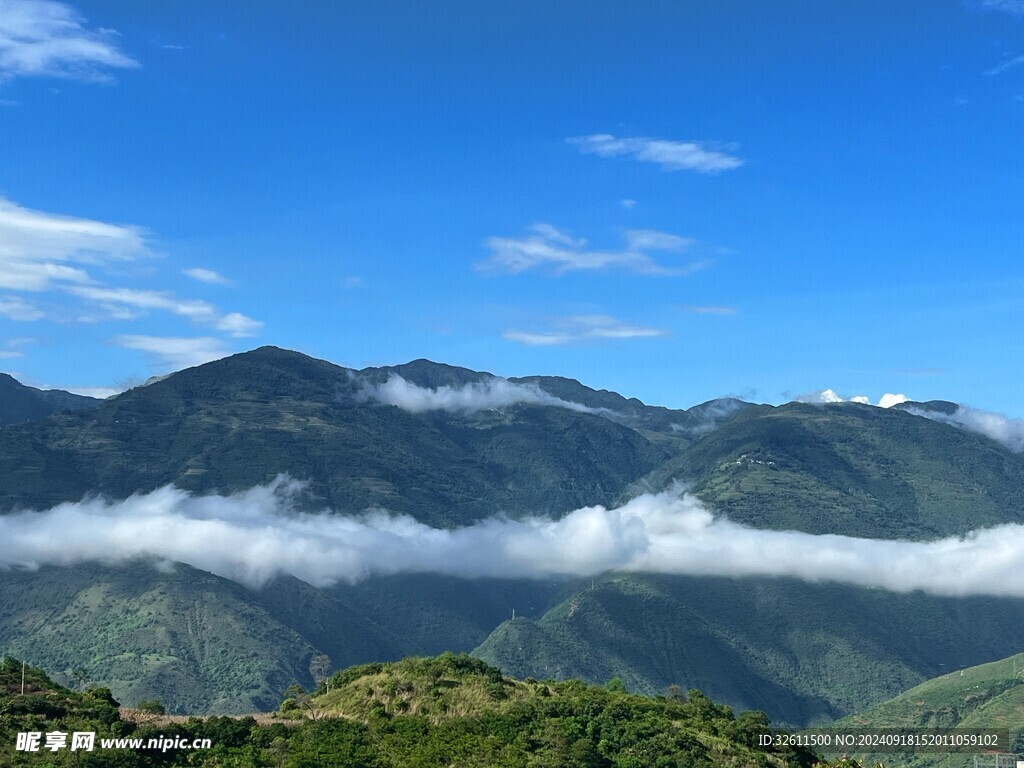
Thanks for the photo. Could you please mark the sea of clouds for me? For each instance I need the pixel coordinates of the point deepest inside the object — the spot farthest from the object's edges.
(251, 537)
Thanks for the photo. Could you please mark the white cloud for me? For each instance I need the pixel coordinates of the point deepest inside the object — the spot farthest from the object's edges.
(38, 250)
(628, 204)
(550, 247)
(250, 537)
(50, 39)
(15, 308)
(888, 400)
(238, 325)
(205, 275)
(824, 396)
(119, 303)
(116, 299)
(670, 155)
(10, 354)
(581, 329)
(491, 394)
(171, 353)
(995, 426)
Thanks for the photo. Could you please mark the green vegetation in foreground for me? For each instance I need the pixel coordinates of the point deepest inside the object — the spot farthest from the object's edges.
(985, 696)
(417, 713)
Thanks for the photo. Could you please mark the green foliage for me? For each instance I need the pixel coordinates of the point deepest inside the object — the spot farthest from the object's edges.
(152, 707)
(543, 724)
(986, 696)
(804, 653)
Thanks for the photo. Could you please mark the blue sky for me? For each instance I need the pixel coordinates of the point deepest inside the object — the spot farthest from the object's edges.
(674, 200)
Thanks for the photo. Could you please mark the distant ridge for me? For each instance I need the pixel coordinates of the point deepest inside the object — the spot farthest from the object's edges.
(19, 403)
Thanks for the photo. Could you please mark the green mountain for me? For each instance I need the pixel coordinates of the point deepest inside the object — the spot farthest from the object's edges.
(239, 422)
(986, 696)
(19, 403)
(850, 469)
(195, 641)
(804, 653)
(200, 643)
(801, 652)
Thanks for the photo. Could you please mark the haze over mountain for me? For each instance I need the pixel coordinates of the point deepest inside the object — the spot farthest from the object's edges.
(404, 479)
(20, 403)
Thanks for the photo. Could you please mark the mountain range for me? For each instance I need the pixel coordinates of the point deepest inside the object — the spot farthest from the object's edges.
(450, 447)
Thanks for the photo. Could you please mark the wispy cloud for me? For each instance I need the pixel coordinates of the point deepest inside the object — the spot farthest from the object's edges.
(709, 310)
(492, 394)
(552, 248)
(1015, 7)
(205, 276)
(670, 155)
(39, 250)
(251, 537)
(15, 308)
(581, 329)
(1005, 65)
(172, 353)
(42, 252)
(44, 38)
(238, 325)
(121, 303)
(995, 426)
(628, 203)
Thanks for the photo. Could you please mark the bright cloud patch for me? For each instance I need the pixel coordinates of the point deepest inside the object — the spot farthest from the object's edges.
(581, 329)
(824, 396)
(251, 537)
(69, 258)
(670, 155)
(551, 248)
(49, 39)
(996, 426)
(169, 353)
(204, 275)
(39, 250)
(486, 395)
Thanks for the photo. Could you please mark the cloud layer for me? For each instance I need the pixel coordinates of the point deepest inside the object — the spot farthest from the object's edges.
(996, 426)
(547, 247)
(50, 39)
(486, 395)
(251, 537)
(670, 155)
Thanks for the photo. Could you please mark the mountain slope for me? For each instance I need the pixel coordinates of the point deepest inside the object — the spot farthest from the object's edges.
(986, 696)
(238, 422)
(195, 641)
(19, 403)
(801, 652)
(851, 469)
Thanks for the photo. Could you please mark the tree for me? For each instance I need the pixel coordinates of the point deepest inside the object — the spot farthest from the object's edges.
(152, 707)
(320, 669)
(615, 685)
